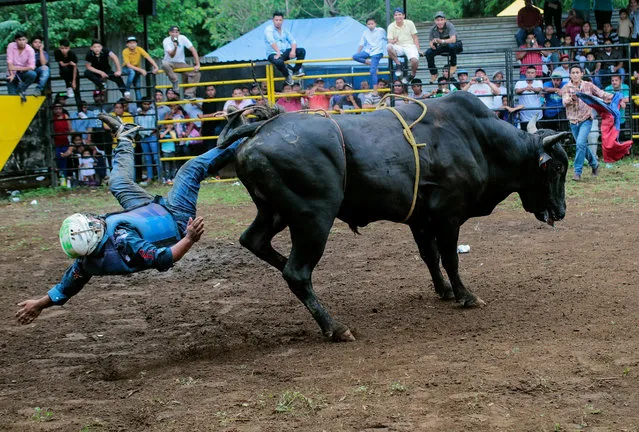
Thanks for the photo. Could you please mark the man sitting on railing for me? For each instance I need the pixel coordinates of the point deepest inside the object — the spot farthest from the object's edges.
(403, 41)
(443, 41)
(174, 58)
(371, 47)
(20, 65)
(281, 46)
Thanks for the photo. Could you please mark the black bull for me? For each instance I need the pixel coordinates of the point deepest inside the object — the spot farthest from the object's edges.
(303, 171)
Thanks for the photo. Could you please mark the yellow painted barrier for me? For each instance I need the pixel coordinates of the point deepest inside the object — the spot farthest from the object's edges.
(16, 118)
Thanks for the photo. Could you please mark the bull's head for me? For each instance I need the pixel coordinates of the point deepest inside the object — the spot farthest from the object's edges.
(545, 195)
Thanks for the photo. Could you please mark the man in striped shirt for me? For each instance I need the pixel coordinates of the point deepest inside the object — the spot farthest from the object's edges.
(580, 117)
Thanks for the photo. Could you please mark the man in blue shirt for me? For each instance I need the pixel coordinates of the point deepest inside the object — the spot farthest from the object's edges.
(281, 46)
(149, 233)
(371, 48)
(617, 85)
(555, 113)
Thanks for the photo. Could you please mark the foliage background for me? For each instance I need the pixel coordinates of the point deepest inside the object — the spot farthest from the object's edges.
(212, 23)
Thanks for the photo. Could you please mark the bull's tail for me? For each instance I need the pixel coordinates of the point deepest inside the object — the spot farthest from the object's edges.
(237, 127)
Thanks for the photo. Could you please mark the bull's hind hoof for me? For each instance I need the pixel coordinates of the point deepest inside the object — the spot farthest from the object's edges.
(472, 301)
(345, 336)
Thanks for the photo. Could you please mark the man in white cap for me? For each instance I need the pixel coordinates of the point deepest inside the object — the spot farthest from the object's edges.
(403, 41)
(443, 41)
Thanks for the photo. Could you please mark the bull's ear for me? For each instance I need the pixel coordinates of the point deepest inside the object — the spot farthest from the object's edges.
(543, 160)
(549, 141)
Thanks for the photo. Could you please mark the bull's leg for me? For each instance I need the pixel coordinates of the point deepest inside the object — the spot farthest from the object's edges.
(257, 237)
(447, 236)
(430, 254)
(309, 235)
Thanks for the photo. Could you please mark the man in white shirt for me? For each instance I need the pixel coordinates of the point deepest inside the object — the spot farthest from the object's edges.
(403, 41)
(481, 87)
(281, 46)
(529, 91)
(174, 58)
(371, 48)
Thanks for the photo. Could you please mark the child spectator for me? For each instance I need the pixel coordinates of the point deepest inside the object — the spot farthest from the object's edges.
(87, 172)
(41, 63)
(68, 62)
(81, 122)
(549, 57)
(149, 141)
(625, 27)
(566, 45)
(181, 148)
(193, 110)
(508, 113)
(61, 130)
(98, 69)
(168, 151)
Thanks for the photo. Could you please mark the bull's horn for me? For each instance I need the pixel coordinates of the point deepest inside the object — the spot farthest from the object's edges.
(532, 124)
(549, 141)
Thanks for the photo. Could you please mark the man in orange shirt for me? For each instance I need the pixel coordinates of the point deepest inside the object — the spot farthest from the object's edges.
(132, 61)
(317, 99)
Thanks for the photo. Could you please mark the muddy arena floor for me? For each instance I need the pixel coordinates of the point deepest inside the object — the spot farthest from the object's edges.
(220, 343)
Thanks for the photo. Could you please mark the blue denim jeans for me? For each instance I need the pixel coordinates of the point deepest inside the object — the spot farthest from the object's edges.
(43, 73)
(132, 80)
(361, 58)
(182, 198)
(21, 82)
(580, 132)
(151, 156)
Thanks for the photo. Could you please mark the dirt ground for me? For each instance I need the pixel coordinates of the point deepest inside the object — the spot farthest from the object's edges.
(219, 342)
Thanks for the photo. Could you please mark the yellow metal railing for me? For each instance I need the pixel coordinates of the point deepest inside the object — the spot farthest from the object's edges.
(271, 96)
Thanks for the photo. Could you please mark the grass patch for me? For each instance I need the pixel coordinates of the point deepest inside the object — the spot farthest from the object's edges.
(40, 414)
(295, 403)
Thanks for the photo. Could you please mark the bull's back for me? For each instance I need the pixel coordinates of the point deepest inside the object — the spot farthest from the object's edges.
(295, 157)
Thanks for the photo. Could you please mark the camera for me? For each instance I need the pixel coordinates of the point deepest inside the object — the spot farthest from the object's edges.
(436, 44)
(479, 79)
(531, 43)
(439, 91)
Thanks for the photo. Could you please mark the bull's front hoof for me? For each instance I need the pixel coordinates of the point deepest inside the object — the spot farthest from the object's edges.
(446, 294)
(343, 336)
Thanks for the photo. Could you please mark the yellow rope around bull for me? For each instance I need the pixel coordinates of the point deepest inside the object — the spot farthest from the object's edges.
(408, 134)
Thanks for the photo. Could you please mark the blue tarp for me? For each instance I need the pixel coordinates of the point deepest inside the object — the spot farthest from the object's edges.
(320, 37)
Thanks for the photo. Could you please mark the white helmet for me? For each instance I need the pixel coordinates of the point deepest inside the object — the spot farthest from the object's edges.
(80, 234)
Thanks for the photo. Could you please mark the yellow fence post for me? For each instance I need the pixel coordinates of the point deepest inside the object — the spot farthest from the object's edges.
(270, 83)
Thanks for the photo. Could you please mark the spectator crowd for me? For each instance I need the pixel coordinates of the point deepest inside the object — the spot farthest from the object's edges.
(549, 47)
